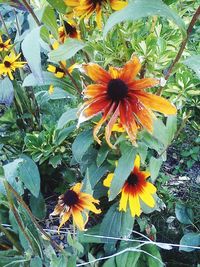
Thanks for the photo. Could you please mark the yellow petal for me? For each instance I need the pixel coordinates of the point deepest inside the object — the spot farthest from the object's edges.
(59, 74)
(77, 187)
(137, 161)
(98, 16)
(146, 174)
(64, 219)
(51, 68)
(123, 201)
(150, 188)
(117, 5)
(78, 219)
(108, 180)
(134, 205)
(147, 198)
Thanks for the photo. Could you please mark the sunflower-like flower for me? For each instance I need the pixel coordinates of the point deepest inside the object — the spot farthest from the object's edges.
(59, 72)
(85, 8)
(74, 202)
(117, 94)
(135, 189)
(10, 64)
(68, 30)
(4, 46)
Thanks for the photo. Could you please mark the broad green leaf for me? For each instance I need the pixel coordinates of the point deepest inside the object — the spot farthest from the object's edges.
(31, 51)
(171, 126)
(193, 63)
(11, 172)
(153, 260)
(6, 92)
(49, 20)
(58, 5)
(123, 169)
(102, 154)
(116, 223)
(184, 214)
(95, 173)
(190, 239)
(61, 135)
(128, 258)
(29, 175)
(160, 132)
(38, 206)
(67, 50)
(154, 167)
(49, 79)
(81, 144)
(69, 115)
(36, 261)
(143, 8)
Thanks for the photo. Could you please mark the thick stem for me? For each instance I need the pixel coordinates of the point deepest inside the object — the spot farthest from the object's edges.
(30, 10)
(182, 47)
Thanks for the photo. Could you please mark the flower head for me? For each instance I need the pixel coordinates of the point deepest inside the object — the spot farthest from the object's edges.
(68, 30)
(58, 72)
(85, 8)
(117, 94)
(4, 46)
(73, 203)
(10, 64)
(135, 189)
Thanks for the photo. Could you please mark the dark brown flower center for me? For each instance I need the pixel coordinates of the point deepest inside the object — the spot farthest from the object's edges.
(70, 198)
(95, 2)
(69, 28)
(2, 45)
(7, 64)
(132, 179)
(58, 69)
(117, 90)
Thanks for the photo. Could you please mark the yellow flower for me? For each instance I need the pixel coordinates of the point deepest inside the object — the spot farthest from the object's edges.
(4, 46)
(10, 64)
(51, 89)
(73, 203)
(59, 72)
(135, 189)
(118, 127)
(85, 8)
(68, 30)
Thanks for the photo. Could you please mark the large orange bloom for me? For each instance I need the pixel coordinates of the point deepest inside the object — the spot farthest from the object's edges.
(117, 94)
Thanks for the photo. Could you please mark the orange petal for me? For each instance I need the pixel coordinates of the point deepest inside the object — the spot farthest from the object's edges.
(64, 219)
(94, 90)
(114, 72)
(143, 83)
(156, 103)
(109, 126)
(144, 116)
(130, 70)
(78, 219)
(97, 73)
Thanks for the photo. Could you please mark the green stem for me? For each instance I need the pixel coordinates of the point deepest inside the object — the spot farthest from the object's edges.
(11, 239)
(30, 10)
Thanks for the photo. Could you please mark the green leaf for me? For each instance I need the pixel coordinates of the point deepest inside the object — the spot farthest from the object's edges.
(154, 167)
(49, 20)
(29, 174)
(67, 50)
(48, 79)
(36, 261)
(81, 144)
(171, 126)
(102, 154)
(6, 92)
(190, 239)
(61, 135)
(95, 173)
(143, 8)
(184, 214)
(11, 172)
(116, 223)
(153, 260)
(31, 51)
(160, 132)
(123, 169)
(38, 206)
(58, 5)
(69, 115)
(193, 63)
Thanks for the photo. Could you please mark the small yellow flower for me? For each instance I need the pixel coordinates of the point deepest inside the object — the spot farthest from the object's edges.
(135, 189)
(4, 46)
(73, 203)
(10, 64)
(51, 89)
(59, 72)
(118, 127)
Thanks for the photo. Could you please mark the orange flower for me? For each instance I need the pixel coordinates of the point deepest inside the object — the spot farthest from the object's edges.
(68, 30)
(135, 189)
(85, 8)
(117, 94)
(74, 202)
